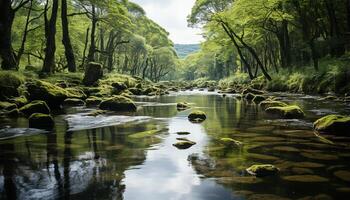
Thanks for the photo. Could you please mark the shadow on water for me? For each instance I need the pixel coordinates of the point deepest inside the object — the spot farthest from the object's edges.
(134, 156)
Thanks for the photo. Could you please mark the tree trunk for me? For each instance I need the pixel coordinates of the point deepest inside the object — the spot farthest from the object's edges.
(25, 33)
(85, 47)
(66, 39)
(50, 33)
(348, 14)
(7, 15)
(92, 49)
(314, 54)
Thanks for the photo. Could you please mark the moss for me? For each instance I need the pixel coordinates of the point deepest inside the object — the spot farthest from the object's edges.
(19, 101)
(262, 170)
(269, 103)
(288, 112)
(144, 134)
(197, 116)
(336, 124)
(35, 107)
(74, 102)
(182, 105)
(93, 101)
(115, 79)
(41, 90)
(76, 93)
(7, 105)
(9, 83)
(41, 121)
(258, 98)
(231, 142)
(118, 103)
(184, 144)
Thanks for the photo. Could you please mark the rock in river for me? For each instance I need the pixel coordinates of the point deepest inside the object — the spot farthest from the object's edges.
(229, 142)
(184, 144)
(93, 72)
(41, 121)
(197, 116)
(287, 112)
(35, 107)
(182, 105)
(118, 103)
(262, 170)
(336, 124)
(269, 103)
(74, 102)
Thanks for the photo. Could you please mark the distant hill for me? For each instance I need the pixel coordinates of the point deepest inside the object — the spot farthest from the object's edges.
(184, 50)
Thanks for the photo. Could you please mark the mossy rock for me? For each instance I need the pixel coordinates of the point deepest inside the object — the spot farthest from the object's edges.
(19, 101)
(287, 112)
(182, 105)
(335, 124)
(183, 133)
(9, 84)
(229, 142)
(93, 101)
(184, 144)
(7, 106)
(262, 170)
(258, 98)
(249, 96)
(74, 102)
(13, 113)
(135, 91)
(35, 107)
(253, 91)
(76, 93)
(51, 94)
(269, 103)
(41, 121)
(197, 116)
(119, 86)
(118, 103)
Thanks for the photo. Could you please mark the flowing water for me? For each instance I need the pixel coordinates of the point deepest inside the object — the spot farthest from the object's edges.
(131, 156)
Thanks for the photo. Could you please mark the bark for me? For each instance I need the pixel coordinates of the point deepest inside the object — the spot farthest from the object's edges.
(92, 49)
(85, 46)
(66, 39)
(50, 33)
(7, 15)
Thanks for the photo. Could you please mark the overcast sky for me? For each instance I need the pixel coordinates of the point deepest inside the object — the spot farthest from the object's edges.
(172, 15)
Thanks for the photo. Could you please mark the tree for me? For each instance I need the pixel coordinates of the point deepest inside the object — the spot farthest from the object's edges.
(66, 38)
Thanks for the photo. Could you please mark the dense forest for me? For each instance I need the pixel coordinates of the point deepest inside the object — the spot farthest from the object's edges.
(183, 50)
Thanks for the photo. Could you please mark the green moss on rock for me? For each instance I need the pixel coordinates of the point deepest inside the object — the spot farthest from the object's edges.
(93, 101)
(7, 106)
(182, 105)
(35, 107)
(19, 101)
(197, 116)
(336, 124)
(288, 112)
(262, 170)
(118, 103)
(229, 142)
(74, 102)
(41, 121)
(269, 103)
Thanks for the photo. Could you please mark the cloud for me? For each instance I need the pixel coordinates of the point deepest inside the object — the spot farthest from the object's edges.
(172, 15)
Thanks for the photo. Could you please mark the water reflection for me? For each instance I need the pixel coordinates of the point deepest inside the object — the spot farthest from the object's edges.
(101, 158)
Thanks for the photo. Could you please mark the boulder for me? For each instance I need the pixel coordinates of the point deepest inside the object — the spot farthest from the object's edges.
(135, 91)
(74, 102)
(93, 73)
(262, 170)
(9, 84)
(13, 113)
(269, 103)
(93, 101)
(51, 94)
(197, 116)
(258, 98)
(76, 93)
(184, 144)
(41, 121)
(336, 124)
(19, 101)
(35, 107)
(287, 112)
(119, 86)
(7, 106)
(249, 96)
(118, 103)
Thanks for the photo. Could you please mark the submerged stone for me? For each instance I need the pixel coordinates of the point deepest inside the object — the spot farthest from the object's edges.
(118, 103)
(184, 144)
(287, 112)
(197, 116)
(262, 170)
(336, 124)
(35, 107)
(305, 178)
(182, 105)
(41, 121)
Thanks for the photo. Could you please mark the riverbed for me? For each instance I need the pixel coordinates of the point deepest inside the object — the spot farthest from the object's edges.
(114, 156)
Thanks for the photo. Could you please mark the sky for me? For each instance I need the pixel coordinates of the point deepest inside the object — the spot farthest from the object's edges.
(172, 15)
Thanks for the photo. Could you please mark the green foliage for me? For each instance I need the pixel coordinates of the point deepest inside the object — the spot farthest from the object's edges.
(183, 50)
